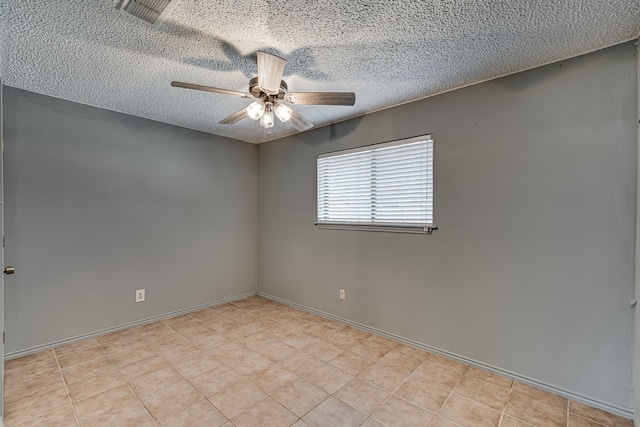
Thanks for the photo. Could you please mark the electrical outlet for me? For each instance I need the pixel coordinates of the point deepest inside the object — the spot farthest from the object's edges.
(342, 295)
(140, 295)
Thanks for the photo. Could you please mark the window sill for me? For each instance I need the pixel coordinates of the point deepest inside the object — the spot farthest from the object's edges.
(414, 229)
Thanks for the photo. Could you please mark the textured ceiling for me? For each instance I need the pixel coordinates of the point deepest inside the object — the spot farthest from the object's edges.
(386, 51)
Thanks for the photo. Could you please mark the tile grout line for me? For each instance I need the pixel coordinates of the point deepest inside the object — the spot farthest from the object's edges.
(475, 401)
(450, 394)
(64, 381)
(125, 379)
(126, 382)
(222, 364)
(187, 379)
(156, 421)
(392, 393)
(404, 381)
(129, 385)
(153, 419)
(370, 416)
(401, 384)
(56, 357)
(532, 398)
(506, 402)
(302, 350)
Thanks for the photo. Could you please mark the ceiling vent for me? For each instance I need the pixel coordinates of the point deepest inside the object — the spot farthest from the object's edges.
(152, 11)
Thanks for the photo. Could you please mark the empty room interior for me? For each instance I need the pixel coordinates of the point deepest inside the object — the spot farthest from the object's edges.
(376, 213)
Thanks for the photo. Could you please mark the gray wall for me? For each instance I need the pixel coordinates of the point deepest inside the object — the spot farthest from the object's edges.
(99, 204)
(533, 266)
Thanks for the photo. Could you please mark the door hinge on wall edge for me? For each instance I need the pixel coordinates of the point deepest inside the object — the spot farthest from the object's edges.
(3, 336)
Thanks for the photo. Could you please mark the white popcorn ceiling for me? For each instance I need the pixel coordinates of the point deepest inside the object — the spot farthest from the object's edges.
(388, 52)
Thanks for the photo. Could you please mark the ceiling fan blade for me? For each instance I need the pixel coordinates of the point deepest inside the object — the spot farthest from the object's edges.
(235, 117)
(270, 71)
(321, 98)
(210, 89)
(299, 121)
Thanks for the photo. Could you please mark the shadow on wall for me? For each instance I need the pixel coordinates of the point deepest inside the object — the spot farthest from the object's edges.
(326, 134)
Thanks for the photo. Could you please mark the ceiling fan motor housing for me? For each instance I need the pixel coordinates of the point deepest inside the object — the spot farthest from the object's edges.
(257, 92)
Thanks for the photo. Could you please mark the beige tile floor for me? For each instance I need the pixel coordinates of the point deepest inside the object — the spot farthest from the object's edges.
(259, 363)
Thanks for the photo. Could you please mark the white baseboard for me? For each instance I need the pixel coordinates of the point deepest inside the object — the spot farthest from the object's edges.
(614, 409)
(36, 349)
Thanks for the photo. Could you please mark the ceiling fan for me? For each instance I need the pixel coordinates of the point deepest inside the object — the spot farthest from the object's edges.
(272, 97)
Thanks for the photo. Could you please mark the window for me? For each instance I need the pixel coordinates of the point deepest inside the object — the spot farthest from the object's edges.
(386, 186)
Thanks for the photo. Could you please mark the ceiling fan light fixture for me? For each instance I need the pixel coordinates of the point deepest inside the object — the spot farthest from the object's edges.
(267, 119)
(283, 112)
(255, 110)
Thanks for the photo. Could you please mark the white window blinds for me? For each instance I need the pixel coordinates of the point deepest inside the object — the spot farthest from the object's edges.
(383, 184)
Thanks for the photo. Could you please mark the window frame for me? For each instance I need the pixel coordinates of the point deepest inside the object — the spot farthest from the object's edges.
(423, 228)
